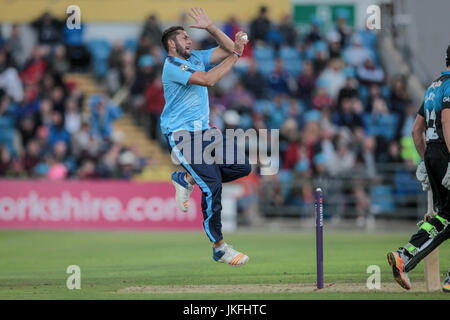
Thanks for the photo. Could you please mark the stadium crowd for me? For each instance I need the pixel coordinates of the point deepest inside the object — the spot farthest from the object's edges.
(44, 132)
(339, 114)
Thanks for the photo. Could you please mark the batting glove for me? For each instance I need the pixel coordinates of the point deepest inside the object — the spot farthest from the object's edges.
(446, 180)
(422, 176)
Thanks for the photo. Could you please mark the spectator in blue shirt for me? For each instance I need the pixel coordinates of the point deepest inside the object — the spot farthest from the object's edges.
(57, 132)
(103, 113)
(7, 123)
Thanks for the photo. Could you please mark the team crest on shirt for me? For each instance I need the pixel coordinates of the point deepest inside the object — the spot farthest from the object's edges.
(184, 67)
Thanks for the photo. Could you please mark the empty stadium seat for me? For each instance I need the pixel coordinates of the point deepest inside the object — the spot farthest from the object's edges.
(265, 58)
(99, 49)
(291, 60)
(382, 199)
(130, 44)
(382, 125)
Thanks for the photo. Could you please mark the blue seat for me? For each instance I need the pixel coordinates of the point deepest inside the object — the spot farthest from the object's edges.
(406, 184)
(384, 125)
(265, 59)
(291, 60)
(285, 177)
(130, 44)
(100, 50)
(263, 106)
(274, 36)
(382, 199)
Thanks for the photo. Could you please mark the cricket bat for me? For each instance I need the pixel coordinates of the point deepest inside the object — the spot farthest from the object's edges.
(431, 261)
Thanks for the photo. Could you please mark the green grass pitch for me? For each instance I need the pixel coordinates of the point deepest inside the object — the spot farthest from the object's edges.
(33, 264)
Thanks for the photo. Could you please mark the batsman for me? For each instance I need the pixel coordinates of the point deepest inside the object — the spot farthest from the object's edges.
(431, 135)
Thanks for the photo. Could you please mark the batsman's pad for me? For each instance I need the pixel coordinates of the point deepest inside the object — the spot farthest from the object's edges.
(438, 230)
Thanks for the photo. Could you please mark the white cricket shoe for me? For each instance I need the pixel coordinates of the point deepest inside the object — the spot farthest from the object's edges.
(183, 190)
(230, 256)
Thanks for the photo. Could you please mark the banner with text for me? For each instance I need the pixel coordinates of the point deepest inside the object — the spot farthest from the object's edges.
(95, 205)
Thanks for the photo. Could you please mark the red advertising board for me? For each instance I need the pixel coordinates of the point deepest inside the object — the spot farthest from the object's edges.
(95, 205)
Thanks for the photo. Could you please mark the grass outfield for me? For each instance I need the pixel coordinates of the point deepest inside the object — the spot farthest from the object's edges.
(33, 265)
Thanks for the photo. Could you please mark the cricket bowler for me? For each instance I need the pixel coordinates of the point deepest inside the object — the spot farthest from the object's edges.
(186, 76)
(431, 135)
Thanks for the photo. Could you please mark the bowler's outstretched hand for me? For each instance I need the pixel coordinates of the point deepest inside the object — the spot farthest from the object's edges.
(200, 17)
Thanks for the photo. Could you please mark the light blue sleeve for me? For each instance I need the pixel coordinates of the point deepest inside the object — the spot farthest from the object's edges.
(177, 72)
(446, 94)
(205, 56)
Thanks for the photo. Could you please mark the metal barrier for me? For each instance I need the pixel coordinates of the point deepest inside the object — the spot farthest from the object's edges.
(393, 192)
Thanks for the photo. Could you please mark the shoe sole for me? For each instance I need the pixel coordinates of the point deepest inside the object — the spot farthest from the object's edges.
(398, 276)
(241, 264)
(236, 265)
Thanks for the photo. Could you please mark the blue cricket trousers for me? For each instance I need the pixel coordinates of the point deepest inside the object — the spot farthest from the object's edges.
(187, 148)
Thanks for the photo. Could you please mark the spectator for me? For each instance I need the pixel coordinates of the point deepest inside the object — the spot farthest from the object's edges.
(321, 100)
(151, 29)
(154, 101)
(260, 26)
(5, 161)
(346, 116)
(239, 99)
(334, 45)
(349, 90)
(15, 47)
(314, 33)
(381, 123)
(59, 63)
(84, 144)
(145, 47)
(406, 122)
(57, 132)
(280, 82)
(356, 54)
(278, 113)
(103, 113)
(48, 28)
(306, 82)
(7, 123)
(9, 78)
(32, 157)
(333, 78)
(320, 61)
(369, 74)
(78, 55)
(72, 116)
(44, 117)
(87, 170)
(288, 31)
(394, 156)
(342, 28)
(231, 27)
(145, 75)
(27, 129)
(399, 95)
(295, 152)
(128, 165)
(35, 67)
(114, 77)
(342, 160)
(254, 81)
(58, 97)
